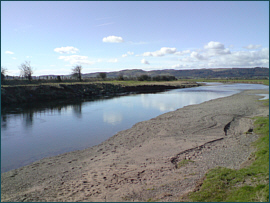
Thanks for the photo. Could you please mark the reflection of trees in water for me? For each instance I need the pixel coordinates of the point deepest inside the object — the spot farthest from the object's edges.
(28, 118)
(77, 110)
(4, 121)
(28, 111)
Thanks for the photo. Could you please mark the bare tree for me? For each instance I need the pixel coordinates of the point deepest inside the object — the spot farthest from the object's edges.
(26, 70)
(77, 72)
(3, 73)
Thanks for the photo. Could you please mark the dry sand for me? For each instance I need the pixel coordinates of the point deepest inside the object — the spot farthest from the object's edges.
(141, 163)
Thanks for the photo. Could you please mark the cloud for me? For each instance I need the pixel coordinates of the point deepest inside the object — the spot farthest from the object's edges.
(214, 45)
(76, 59)
(216, 48)
(252, 46)
(161, 52)
(181, 66)
(144, 61)
(180, 53)
(127, 54)
(9, 52)
(113, 60)
(66, 50)
(113, 39)
(197, 56)
(104, 24)
(242, 59)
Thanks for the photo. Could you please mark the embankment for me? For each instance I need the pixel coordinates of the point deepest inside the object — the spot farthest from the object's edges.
(41, 93)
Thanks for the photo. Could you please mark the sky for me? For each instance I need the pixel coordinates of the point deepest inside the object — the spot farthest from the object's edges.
(104, 36)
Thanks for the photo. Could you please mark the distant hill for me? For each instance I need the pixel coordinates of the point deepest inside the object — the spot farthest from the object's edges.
(242, 73)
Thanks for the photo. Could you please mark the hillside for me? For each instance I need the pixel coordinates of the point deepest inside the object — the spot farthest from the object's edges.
(244, 73)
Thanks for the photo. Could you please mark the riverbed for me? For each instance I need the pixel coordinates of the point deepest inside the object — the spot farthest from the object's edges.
(30, 133)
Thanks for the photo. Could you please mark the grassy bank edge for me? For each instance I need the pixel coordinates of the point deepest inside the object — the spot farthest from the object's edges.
(135, 82)
(248, 184)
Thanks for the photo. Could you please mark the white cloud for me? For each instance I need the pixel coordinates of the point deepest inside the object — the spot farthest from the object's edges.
(66, 50)
(127, 54)
(113, 39)
(216, 48)
(14, 58)
(9, 52)
(76, 59)
(144, 61)
(242, 59)
(161, 52)
(180, 53)
(252, 46)
(181, 66)
(214, 45)
(197, 56)
(113, 60)
(104, 24)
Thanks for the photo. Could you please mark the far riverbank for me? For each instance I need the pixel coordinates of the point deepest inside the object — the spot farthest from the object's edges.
(62, 91)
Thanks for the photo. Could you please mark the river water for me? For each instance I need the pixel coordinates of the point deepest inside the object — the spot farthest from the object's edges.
(33, 132)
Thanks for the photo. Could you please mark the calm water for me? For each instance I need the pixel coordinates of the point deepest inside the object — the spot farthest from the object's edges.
(31, 133)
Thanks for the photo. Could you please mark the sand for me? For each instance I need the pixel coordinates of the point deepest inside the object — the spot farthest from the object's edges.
(142, 163)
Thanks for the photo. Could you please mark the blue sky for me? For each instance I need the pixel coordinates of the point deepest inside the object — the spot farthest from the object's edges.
(112, 36)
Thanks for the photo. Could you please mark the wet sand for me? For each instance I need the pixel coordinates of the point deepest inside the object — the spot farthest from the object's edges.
(142, 163)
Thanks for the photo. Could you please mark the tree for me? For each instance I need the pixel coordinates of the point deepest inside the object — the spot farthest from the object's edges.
(120, 77)
(26, 70)
(103, 75)
(3, 72)
(77, 72)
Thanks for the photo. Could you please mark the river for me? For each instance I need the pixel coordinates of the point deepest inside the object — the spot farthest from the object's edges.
(30, 133)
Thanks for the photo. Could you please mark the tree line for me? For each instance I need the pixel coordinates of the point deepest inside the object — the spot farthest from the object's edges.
(26, 71)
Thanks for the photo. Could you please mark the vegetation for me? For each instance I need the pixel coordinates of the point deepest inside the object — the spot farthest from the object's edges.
(103, 75)
(77, 72)
(3, 73)
(26, 70)
(249, 184)
(156, 78)
(183, 163)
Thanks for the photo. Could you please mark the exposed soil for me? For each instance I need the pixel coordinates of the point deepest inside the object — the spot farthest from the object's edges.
(142, 163)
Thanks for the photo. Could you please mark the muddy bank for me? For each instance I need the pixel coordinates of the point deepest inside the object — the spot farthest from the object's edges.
(41, 93)
(143, 163)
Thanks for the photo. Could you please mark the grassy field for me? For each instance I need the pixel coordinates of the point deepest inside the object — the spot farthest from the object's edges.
(249, 184)
(127, 82)
(114, 82)
(255, 81)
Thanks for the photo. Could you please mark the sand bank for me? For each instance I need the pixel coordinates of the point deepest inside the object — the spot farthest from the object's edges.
(142, 163)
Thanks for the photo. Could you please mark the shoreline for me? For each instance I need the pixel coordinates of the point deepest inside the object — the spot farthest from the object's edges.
(20, 94)
(143, 163)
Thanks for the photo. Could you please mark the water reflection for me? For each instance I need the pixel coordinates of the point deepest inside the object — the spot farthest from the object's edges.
(77, 110)
(112, 118)
(29, 133)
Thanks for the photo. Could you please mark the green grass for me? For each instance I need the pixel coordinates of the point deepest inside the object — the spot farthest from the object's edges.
(248, 184)
(183, 163)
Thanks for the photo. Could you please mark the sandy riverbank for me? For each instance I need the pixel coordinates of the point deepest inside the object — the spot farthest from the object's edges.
(140, 163)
